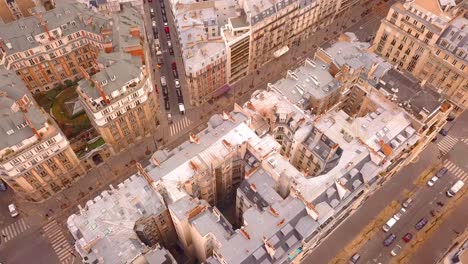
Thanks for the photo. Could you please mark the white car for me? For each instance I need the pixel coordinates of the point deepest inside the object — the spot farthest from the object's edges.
(154, 23)
(12, 209)
(177, 83)
(432, 181)
(398, 215)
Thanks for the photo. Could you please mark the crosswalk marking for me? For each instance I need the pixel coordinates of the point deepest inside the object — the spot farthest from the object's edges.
(59, 243)
(464, 140)
(13, 230)
(179, 125)
(457, 171)
(446, 144)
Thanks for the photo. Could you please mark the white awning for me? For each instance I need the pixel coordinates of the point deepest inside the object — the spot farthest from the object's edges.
(281, 52)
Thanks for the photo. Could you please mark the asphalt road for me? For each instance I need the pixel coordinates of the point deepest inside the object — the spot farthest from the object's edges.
(394, 189)
(426, 199)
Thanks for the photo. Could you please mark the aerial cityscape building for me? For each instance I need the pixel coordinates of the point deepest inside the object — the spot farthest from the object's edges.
(233, 131)
(428, 40)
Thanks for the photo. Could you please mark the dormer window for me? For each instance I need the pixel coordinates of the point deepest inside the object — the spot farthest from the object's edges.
(30, 39)
(10, 132)
(113, 78)
(104, 82)
(64, 26)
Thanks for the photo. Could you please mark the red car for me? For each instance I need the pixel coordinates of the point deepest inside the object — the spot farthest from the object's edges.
(174, 66)
(407, 237)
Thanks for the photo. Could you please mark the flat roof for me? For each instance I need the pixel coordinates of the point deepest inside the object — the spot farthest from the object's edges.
(108, 220)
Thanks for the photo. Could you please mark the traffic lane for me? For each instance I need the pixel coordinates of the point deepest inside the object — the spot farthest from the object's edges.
(424, 200)
(6, 198)
(165, 69)
(435, 247)
(352, 226)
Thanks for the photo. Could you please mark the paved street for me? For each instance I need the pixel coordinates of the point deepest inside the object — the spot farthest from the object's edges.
(40, 229)
(426, 198)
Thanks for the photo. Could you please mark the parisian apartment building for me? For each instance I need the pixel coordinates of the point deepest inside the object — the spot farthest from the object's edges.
(223, 41)
(428, 40)
(36, 158)
(11, 10)
(48, 48)
(119, 98)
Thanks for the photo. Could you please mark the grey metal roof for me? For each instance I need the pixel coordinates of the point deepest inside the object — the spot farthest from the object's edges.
(73, 15)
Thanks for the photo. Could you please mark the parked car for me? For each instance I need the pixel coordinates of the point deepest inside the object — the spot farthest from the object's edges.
(398, 215)
(407, 203)
(177, 84)
(396, 250)
(174, 66)
(165, 91)
(420, 224)
(163, 81)
(442, 172)
(175, 73)
(443, 132)
(162, 3)
(407, 237)
(167, 106)
(13, 211)
(153, 23)
(2, 186)
(163, 11)
(354, 259)
(152, 12)
(179, 93)
(164, 18)
(389, 240)
(169, 118)
(432, 181)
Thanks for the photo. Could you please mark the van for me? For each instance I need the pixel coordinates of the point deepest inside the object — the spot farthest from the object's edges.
(391, 222)
(12, 210)
(163, 81)
(407, 202)
(181, 109)
(455, 188)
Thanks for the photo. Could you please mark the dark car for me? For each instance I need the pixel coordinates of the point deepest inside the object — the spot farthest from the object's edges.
(162, 4)
(420, 224)
(175, 73)
(163, 11)
(442, 172)
(2, 186)
(167, 106)
(179, 92)
(443, 132)
(407, 237)
(165, 91)
(174, 66)
(180, 100)
(164, 18)
(389, 240)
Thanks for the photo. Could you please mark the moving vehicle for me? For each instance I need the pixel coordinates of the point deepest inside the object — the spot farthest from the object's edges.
(163, 81)
(167, 106)
(455, 188)
(442, 172)
(432, 181)
(407, 203)
(389, 240)
(443, 132)
(181, 108)
(398, 215)
(169, 45)
(169, 118)
(354, 259)
(421, 223)
(13, 211)
(407, 237)
(396, 250)
(2, 186)
(391, 222)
